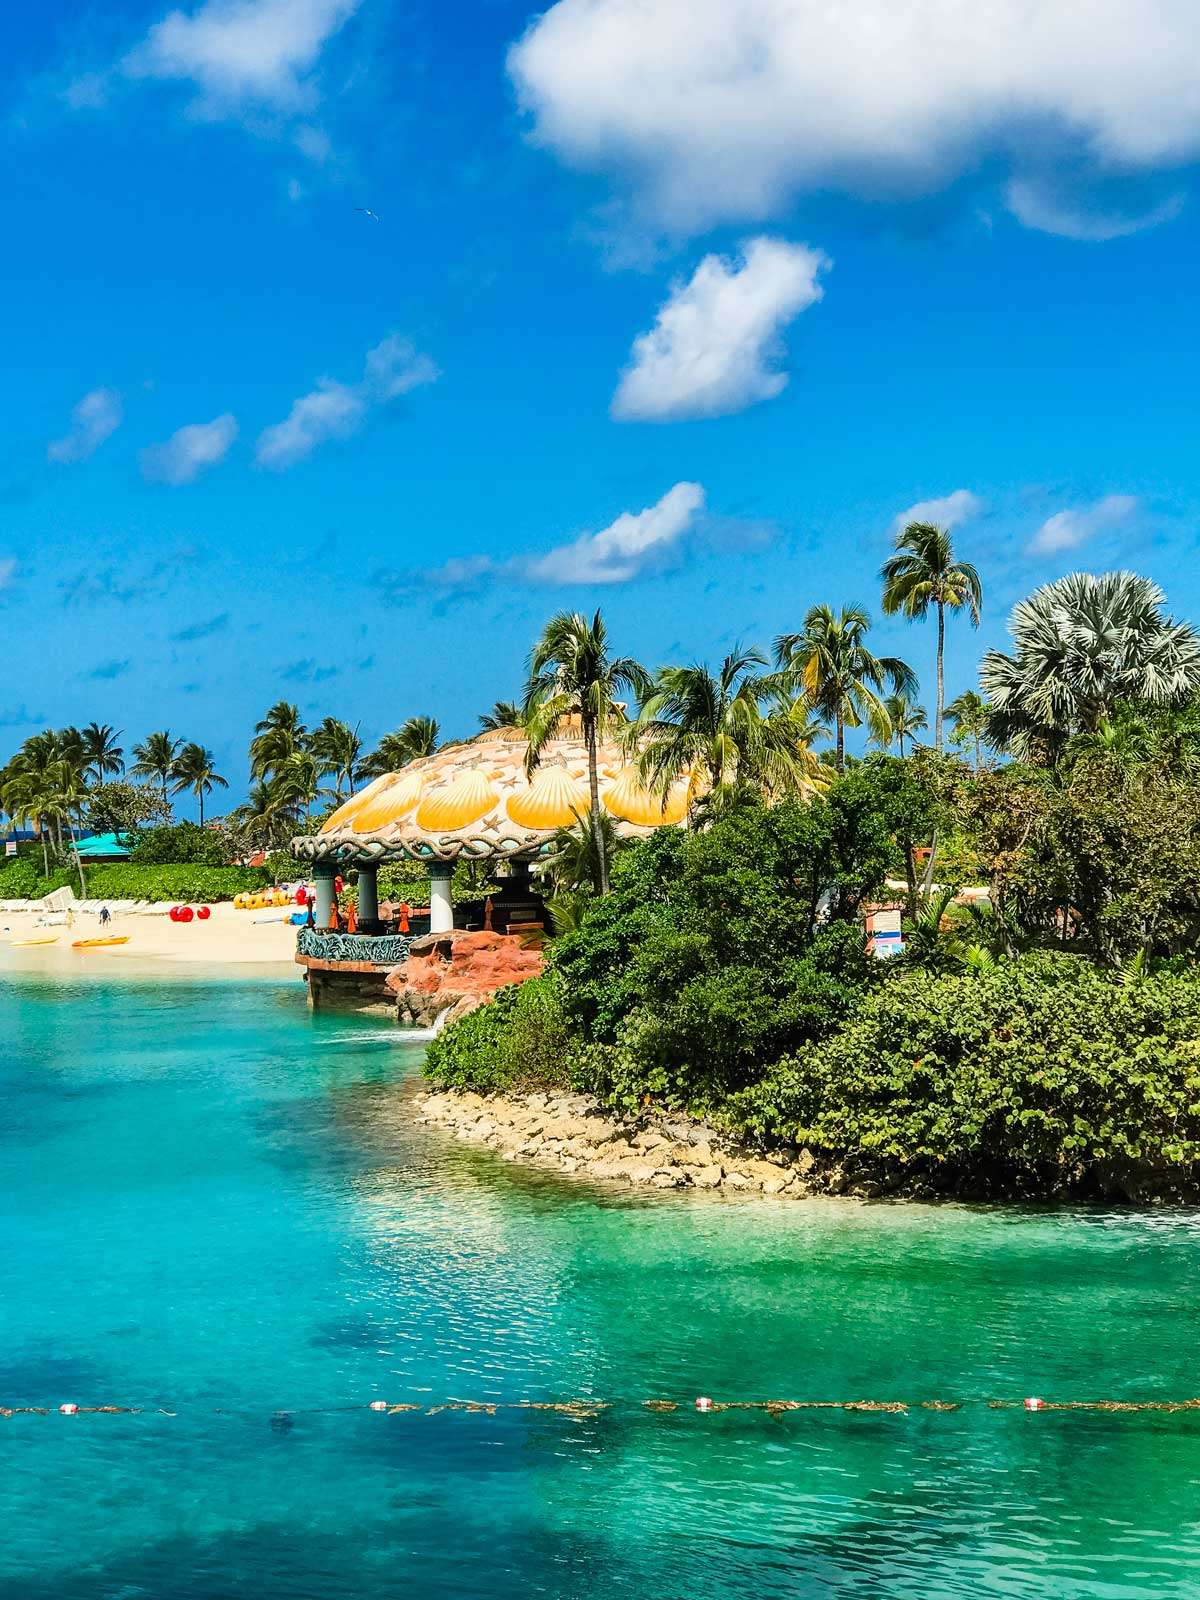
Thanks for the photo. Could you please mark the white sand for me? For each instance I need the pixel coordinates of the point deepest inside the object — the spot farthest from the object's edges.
(236, 943)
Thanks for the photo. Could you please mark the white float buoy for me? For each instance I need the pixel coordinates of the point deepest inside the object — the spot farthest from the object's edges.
(703, 1403)
(68, 1408)
(379, 1405)
(1033, 1403)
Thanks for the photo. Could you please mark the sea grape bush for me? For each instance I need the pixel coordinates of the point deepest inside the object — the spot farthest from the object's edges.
(1043, 1075)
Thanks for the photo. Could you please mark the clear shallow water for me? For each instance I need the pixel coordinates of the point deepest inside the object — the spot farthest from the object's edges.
(211, 1199)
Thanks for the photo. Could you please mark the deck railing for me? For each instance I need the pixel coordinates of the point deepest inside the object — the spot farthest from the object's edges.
(381, 950)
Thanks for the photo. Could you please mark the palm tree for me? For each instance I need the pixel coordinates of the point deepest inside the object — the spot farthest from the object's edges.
(572, 674)
(713, 729)
(193, 769)
(504, 714)
(103, 755)
(414, 738)
(905, 721)
(155, 757)
(269, 815)
(337, 749)
(839, 677)
(1081, 646)
(969, 713)
(924, 573)
(279, 736)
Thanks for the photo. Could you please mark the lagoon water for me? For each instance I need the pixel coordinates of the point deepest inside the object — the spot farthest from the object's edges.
(216, 1205)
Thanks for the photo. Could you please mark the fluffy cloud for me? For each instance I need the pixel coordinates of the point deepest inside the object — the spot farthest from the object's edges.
(949, 512)
(190, 451)
(1067, 530)
(635, 543)
(716, 110)
(716, 344)
(335, 410)
(94, 419)
(242, 52)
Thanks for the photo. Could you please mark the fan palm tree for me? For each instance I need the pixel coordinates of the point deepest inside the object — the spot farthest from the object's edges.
(905, 721)
(337, 749)
(571, 673)
(193, 769)
(504, 714)
(279, 736)
(155, 757)
(1082, 645)
(414, 738)
(725, 731)
(969, 714)
(924, 573)
(103, 755)
(840, 678)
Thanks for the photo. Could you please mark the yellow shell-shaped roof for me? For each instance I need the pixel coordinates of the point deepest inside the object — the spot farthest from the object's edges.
(476, 800)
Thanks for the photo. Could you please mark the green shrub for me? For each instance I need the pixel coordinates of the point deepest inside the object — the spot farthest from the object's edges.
(23, 879)
(20, 880)
(1042, 1075)
(518, 1041)
(183, 843)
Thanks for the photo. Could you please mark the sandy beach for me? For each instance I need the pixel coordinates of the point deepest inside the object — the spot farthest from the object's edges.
(235, 943)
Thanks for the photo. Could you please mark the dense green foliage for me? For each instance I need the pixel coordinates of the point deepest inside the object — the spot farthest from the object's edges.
(22, 880)
(183, 843)
(519, 1041)
(1042, 1075)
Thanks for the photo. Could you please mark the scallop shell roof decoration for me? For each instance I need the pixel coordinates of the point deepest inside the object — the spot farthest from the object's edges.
(475, 800)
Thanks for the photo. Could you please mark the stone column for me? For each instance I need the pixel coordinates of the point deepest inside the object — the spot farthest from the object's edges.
(441, 904)
(368, 897)
(324, 872)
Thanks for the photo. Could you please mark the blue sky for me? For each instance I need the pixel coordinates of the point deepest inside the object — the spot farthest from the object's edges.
(669, 308)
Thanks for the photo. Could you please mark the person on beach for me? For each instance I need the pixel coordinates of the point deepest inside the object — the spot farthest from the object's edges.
(105, 916)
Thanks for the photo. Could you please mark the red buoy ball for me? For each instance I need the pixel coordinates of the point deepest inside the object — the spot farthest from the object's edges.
(203, 912)
(301, 896)
(174, 913)
(186, 913)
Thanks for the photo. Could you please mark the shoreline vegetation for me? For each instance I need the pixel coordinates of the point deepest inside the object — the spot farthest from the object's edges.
(1039, 1043)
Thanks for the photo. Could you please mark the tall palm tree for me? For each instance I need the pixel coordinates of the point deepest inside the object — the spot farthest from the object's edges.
(725, 731)
(571, 673)
(414, 738)
(268, 815)
(155, 757)
(504, 714)
(193, 769)
(279, 736)
(969, 714)
(924, 573)
(840, 678)
(337, 749)
(905, 721)
(1081, 646)
(103, 755)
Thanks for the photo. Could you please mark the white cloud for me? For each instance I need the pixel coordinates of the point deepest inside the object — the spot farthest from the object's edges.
(335, 410)
(242, 52)
(949, 512)
(718, 110)
(1066, 530)
(190, 451)
(1040, 204)
(716, 344)
(635, 543)
(636, 540)
(94, 419)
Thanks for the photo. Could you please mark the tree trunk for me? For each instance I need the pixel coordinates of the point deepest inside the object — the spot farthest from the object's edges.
(941, 685)
(45, 850)
(841, 744)
(594, 791)
(200, 796)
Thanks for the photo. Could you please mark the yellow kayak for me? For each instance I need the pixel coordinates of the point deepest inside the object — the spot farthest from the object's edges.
(97, 944)
(49, 938)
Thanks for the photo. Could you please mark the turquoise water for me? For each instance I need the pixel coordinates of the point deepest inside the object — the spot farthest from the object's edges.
(217, 1205)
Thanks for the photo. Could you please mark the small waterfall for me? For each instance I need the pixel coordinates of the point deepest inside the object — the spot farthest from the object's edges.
(439, 1022)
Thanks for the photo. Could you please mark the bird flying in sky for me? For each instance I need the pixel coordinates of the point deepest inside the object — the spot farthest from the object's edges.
(367, 212)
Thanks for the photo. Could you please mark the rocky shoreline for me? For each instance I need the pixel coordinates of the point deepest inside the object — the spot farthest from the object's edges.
(574, 1135)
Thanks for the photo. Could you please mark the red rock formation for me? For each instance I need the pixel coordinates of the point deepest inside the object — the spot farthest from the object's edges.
(458, 972)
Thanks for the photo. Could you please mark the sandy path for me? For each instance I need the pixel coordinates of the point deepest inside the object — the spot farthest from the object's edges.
(239, 943)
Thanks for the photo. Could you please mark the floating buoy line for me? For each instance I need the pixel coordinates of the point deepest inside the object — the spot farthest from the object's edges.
(585, 1408)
